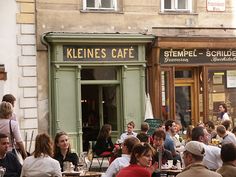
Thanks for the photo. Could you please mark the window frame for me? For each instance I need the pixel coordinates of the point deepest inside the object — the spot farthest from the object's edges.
(98, 6)
(174, 6)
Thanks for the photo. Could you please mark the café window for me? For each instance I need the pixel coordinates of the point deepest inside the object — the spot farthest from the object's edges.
(99, 5)
(176, 5)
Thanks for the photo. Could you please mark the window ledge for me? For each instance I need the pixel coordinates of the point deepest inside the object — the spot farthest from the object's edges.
(101, 11)
(177, 13)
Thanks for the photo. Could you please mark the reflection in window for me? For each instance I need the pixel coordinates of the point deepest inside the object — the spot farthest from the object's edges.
(100, 4)
(176, 5)
(165, 95)
(183, 74)
(99, 73)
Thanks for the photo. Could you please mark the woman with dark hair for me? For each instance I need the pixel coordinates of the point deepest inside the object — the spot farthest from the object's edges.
(140, 162)
(223, 112)
(104, 145)
(41, 162)
(62, 150)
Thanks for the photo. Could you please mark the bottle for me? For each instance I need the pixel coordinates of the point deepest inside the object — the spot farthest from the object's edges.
(178, 165)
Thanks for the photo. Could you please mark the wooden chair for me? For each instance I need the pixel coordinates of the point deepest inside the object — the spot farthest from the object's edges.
(100, 158)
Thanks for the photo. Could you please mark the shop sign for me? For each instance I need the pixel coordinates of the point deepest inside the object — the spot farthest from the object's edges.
(100, 53)
(197, 56)
(216, 5)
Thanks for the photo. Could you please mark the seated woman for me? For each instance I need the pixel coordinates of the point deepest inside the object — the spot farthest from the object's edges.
(41, 162)
(104, 145)
(62, 150)
(140, 162)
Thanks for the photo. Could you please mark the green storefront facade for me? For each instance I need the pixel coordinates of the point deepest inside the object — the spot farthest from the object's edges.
(95, 79)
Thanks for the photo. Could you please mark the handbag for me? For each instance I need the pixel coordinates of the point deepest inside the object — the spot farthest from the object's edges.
(14, 150)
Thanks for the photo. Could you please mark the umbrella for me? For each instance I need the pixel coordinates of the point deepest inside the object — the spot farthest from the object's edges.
(148, 109)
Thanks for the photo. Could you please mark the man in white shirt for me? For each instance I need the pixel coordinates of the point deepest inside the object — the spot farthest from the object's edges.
(130, 128)
(212, 153)
(226, 136)
(124, 160)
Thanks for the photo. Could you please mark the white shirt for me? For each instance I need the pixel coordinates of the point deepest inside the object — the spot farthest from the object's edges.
(225, 117)
(117, 165)
(229, 138)
(41, 167)
(212, 157)
(125, 135)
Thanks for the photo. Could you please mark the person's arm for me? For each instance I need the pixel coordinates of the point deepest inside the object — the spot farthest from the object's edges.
(22, 149)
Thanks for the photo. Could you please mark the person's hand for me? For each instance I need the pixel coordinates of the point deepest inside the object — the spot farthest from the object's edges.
(153, 167)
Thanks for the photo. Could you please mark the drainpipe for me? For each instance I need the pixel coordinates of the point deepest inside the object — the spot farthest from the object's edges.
(44, 42)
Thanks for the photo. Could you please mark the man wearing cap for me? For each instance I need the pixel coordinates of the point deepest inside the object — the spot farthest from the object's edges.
(193, 156)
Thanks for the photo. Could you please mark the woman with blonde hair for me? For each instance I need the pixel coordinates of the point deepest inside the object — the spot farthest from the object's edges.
(41, 162)
(11, 128)
(62, 150)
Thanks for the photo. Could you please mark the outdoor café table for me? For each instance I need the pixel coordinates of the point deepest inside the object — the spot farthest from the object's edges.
(86, 174)
(171, 171)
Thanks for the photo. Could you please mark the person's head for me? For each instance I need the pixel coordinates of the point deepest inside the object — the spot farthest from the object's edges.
(234, 131)
(226, 124)
(61, 143)
(128, 144)
(43, 145)
(4, 144)
(6, 110)
(221, 131)
(143, 137)
(193, 152)
(9, 98)
(130, 127)
(200, 134)
(144, 127)
(170, 126)
(189, 132)
(210, 126)
(228, 153)
(223, 107)
(158, 137)
(105, 131)
(142, 155)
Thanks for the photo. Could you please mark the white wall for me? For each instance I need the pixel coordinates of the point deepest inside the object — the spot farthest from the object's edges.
(8, 47)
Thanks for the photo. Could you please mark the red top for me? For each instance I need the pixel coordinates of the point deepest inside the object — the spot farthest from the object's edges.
(134, 170)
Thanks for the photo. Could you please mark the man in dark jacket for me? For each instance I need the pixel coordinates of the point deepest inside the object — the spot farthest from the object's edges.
(7, 159)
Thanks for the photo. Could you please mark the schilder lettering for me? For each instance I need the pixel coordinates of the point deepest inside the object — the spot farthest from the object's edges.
(198, 56)
(94, 53)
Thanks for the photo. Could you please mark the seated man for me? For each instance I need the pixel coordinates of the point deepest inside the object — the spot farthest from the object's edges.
(122, 161)
(212, 156)
(228, 156)
(130, 128)
(227, 137)
(162, 155)
(193, 156)
(7, 159)
(169, 144)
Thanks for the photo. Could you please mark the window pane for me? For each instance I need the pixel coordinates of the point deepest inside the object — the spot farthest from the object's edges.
(90, 3)
(99, 74)
(165, 95)
(167, 4)
(182, 4)
(183, 74)
(106, 3)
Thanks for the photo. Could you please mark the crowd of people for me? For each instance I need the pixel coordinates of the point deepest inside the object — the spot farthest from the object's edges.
(206, 150)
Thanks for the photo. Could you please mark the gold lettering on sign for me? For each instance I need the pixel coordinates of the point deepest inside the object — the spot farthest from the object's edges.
(80, 54)
(131, 53)
(68, 53)
(104, 55)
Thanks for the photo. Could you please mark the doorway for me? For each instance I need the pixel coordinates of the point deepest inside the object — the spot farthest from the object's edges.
(99, 106)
